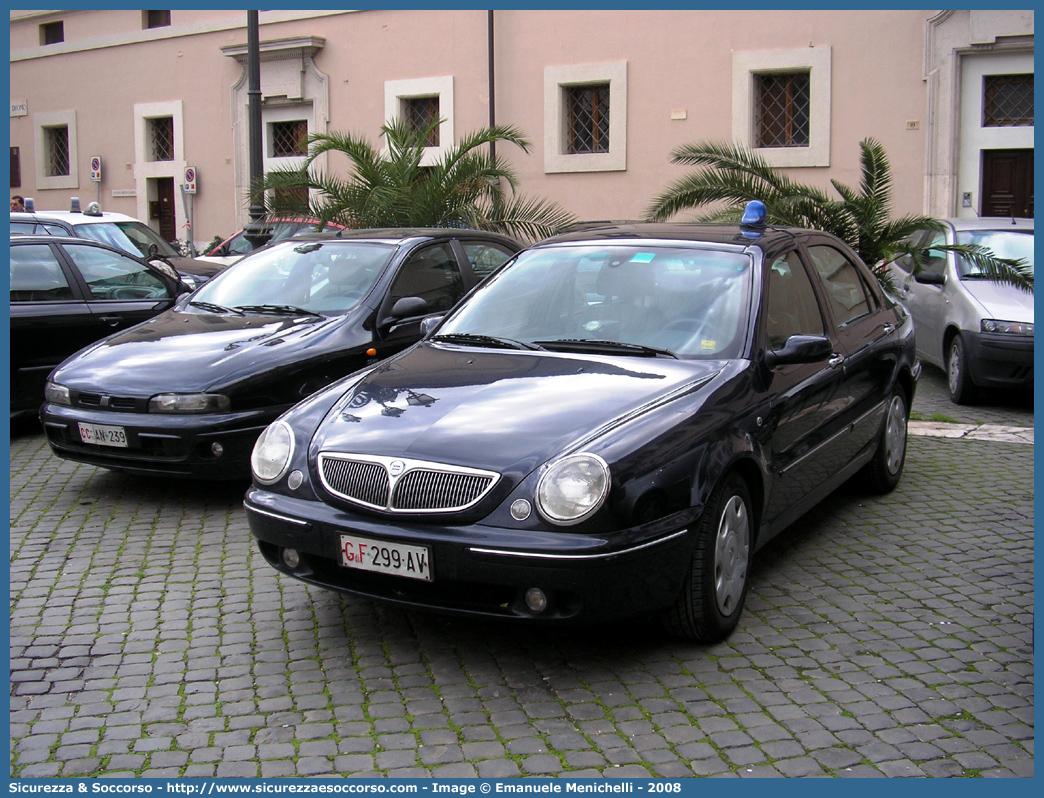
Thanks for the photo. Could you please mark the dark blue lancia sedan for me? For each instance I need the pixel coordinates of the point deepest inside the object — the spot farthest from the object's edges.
(610, 426)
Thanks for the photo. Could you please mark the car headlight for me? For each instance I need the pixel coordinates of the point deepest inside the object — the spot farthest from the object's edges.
(272, 452)
(572, 488)
(189, 403)
(56, 394)
(1008, 327)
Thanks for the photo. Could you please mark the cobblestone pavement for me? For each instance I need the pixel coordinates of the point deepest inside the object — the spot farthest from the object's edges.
(882, 637)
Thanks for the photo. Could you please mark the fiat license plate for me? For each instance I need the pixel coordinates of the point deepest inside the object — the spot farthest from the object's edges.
(386, 558)
(102, 436)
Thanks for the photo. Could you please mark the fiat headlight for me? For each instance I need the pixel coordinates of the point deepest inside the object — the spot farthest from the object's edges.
(272, 452)
(189, 403)
(572, 488)
(56, 394)
(1007, 327)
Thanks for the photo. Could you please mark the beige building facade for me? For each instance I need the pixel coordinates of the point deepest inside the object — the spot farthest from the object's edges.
(603, 97)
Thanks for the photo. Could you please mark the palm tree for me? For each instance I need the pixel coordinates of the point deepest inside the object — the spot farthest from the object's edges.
(393, 189)
(731, 175)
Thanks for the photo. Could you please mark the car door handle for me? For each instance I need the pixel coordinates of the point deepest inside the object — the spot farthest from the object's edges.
(889, 328)
(111, 321)
(835, 360)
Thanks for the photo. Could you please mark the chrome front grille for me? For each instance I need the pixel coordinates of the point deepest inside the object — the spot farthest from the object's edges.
(437, 490)
(398, 485)
(366, 483)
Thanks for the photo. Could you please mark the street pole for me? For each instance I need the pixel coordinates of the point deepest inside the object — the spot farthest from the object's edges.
(492, 83)
(255, 230)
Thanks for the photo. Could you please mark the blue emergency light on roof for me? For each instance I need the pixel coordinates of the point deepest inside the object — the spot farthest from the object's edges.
(30, 204)
(754, 214)
(74, 205)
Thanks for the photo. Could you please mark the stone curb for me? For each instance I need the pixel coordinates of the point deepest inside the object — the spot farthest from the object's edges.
(975, 432)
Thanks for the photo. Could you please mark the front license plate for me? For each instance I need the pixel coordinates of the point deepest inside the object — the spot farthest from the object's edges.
(102, 436)
(386, 558)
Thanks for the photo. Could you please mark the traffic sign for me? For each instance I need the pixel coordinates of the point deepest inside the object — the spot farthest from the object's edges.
(190, 180)
(95, 168)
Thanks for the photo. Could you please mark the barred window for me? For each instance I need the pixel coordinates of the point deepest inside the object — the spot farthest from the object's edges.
(783, 109)
(57, 151)
(419, 112)
(289, 139)
(1007, 101)
(291, 200)
(161, 138)
(52, 33)
(156, 19)
(587, 118)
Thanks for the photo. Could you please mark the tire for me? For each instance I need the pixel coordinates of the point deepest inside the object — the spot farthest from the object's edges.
(715, 588)
(886, 468)
(958, 375)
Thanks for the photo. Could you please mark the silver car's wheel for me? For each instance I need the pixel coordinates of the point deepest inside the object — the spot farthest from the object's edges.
(958, 376)
(731, 554)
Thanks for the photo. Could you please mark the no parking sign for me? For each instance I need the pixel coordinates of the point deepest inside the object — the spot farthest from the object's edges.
(190, 180)
(95, 168)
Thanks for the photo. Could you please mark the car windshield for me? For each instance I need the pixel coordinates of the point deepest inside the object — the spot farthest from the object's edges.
(327, 277)
(1013, 244)
(673, 299)
(130, 236)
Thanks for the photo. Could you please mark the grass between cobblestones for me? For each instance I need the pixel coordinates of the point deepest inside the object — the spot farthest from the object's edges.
(882, 637)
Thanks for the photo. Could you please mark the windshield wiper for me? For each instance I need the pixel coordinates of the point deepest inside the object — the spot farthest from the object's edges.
(606, 347)
(285, 310)
(214, 308)
(484, 340)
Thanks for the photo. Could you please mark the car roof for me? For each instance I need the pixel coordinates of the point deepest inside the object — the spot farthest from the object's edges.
(398, 234)
(989, 223)
(679, 231)
(70, 217)
(43, 238)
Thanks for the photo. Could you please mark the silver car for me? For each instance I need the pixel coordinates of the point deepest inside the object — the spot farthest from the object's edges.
(980, 332)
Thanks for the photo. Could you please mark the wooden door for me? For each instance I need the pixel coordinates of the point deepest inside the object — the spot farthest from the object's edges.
(1007, 183)
(168, 227)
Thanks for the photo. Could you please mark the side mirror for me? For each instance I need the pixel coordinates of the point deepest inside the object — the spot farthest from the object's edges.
(800, 349)
(428, 324)
(153, 251)
(931, 278)
(408, 306)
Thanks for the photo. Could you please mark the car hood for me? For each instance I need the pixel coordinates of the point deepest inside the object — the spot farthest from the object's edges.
(1001, 301)
(203, 268)
(185, 352)
(504, 411)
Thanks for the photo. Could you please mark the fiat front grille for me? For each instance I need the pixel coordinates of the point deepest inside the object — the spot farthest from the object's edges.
(399, 485)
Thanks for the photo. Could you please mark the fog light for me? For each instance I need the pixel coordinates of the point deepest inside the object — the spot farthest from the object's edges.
(536, 600)
(520, 509)
(217, 449)
(294, 480)
(291, 558)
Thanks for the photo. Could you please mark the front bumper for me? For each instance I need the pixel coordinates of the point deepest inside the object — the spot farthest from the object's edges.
(998, 360)
(479, 570)
(160, 444)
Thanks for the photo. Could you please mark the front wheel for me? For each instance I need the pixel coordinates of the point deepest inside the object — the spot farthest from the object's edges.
(885, 469)
(958, 375)
(712, 597)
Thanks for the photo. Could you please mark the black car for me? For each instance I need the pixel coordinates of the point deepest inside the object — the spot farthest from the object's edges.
(187, 393)
(67, 293)
(610, 426)
(117, 230)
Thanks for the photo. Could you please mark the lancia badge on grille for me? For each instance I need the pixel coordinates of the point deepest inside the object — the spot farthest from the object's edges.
(396, 467)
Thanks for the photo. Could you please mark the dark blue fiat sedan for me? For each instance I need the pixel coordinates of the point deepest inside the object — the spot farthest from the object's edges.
(610, 426)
